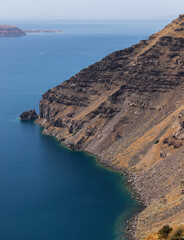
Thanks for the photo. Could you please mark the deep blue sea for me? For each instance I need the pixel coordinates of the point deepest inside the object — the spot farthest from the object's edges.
(46, 191)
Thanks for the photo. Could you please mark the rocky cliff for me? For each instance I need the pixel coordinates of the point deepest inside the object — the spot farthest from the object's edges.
(10, 31)
(128, 109)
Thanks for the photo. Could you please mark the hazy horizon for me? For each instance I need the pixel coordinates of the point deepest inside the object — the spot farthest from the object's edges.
(92, 10)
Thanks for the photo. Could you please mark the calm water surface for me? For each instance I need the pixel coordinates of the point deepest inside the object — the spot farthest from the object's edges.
(46, 191)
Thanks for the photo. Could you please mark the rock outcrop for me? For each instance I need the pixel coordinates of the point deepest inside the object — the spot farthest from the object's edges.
(29, 115)
(10, 31)
(127, 109)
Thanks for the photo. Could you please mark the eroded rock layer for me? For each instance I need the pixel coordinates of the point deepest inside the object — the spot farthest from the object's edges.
(128, 110)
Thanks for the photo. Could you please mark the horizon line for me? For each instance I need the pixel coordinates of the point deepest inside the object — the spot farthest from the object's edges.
(88, 19)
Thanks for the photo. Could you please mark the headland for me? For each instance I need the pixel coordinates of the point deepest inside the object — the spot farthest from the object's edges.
(128, 110)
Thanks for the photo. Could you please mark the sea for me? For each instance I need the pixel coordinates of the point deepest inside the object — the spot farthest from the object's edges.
(48, 192)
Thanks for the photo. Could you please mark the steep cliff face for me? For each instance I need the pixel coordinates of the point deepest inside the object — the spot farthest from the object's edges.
(128, 110)
(10, 31)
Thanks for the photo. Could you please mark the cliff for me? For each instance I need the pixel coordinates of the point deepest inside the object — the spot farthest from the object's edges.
(128, 109)
(10, 31)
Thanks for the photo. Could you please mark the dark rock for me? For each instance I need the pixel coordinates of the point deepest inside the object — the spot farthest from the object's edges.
(179, 29)
(70, 114)
(117, 137)
(70, 129)
(29, 115)
(165, 40)
(162, 154)
(177, 145)
(58, 123)
(165, 141)
(172, 55)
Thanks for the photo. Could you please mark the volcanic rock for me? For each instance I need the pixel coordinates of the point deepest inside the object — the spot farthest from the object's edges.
(29, 115)
(118, 108)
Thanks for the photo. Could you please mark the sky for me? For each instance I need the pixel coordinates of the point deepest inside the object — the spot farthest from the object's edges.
(90, 9)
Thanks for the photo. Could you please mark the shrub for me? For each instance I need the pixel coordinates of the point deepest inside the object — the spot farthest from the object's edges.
(73, 134)
(157, 141)
(164, 231)
(178, 235)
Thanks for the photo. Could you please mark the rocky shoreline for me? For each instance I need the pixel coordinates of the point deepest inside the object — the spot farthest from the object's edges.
(128, 110)
(131, 228)
(132, 222)
(130, 179)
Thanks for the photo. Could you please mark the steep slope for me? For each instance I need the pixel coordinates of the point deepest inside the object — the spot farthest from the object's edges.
(128, 109)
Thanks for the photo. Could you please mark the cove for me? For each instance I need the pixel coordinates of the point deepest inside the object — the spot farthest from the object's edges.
(49, 192)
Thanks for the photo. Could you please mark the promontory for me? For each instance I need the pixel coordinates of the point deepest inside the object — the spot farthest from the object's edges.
(128, 110)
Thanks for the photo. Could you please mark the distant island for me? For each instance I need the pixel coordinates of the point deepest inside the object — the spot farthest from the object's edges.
(13, 31)
(10, 31)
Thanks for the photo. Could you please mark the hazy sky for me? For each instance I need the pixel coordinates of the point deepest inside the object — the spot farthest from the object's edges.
(90, 9)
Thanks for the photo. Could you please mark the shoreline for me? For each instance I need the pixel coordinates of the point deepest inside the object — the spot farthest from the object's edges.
(117, 110)
(132, 222)
(130, 230)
